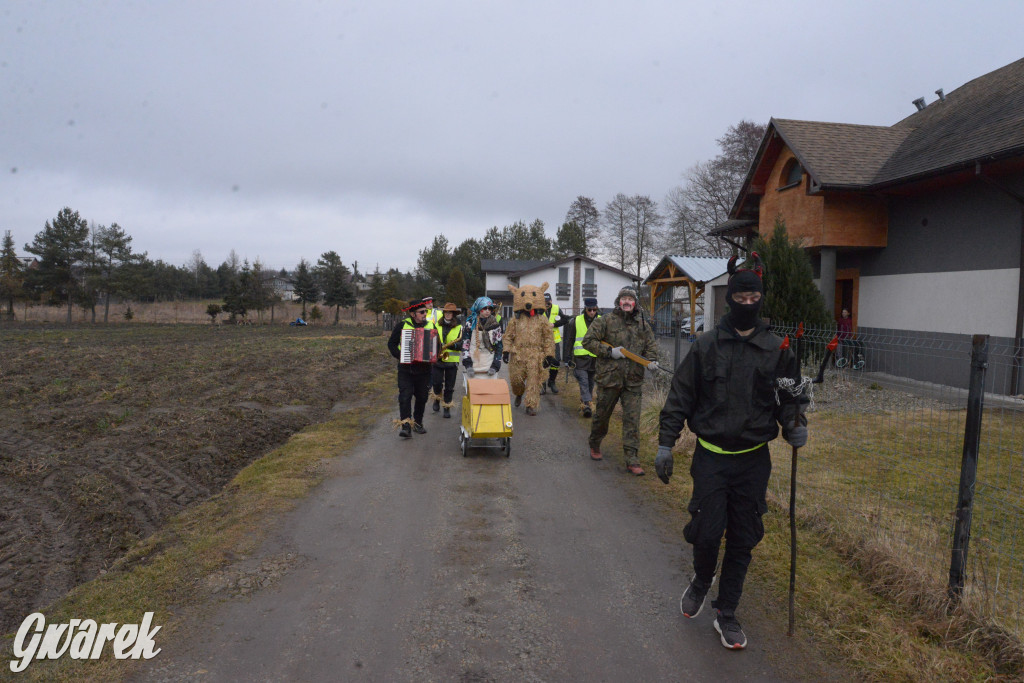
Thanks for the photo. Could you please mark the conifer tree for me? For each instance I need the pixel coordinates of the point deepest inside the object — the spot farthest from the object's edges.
(61, 246)
(11, 274)
(456, 288)
(790, 293)
(307, 289)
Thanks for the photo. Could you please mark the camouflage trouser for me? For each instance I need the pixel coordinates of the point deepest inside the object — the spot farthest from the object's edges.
(606, 400)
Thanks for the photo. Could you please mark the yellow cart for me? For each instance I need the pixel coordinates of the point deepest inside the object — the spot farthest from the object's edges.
(486, 414)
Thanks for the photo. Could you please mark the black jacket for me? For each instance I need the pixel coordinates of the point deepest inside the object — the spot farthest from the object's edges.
(725, 389)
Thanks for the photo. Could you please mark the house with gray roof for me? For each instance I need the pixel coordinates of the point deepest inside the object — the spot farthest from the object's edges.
(914, 227)
(569, 278)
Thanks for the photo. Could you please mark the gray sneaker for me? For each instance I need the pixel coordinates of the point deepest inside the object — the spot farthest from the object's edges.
(692, 601)
(730, 630)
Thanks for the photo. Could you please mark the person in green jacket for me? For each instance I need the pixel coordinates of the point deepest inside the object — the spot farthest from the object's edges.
(617, 377)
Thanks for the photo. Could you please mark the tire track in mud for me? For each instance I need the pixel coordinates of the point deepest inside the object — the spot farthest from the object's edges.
(100, 443)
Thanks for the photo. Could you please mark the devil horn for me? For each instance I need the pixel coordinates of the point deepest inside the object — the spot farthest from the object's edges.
(758, 264)
(732, 264)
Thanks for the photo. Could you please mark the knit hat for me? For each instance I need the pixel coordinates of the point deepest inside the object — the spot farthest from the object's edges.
(589, 302)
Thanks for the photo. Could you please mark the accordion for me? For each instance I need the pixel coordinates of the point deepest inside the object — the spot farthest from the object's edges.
(418, 345)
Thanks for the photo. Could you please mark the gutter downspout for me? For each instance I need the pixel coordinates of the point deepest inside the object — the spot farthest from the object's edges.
(1019, 329)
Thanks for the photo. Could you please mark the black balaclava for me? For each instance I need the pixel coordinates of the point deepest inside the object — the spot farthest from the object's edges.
(744, 316)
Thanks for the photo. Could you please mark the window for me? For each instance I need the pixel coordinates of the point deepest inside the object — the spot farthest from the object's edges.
(792, 175)
(563, 275)
(588, 276)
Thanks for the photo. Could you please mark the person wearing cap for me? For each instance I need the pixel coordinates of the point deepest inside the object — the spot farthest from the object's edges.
(725, 390)
(618, 377)
(446, 369)
(582, 361)
(557, 319)
(433, 314)
(413, 378)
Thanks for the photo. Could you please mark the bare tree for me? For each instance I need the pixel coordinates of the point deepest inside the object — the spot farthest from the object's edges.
(645, 234)
(709, 191)
(615, 224)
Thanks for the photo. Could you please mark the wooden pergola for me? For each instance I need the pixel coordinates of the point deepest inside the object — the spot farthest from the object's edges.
(692, 272)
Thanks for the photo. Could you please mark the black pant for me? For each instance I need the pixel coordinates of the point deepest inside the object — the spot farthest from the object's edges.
(444, 374)
(412, 383)
(728, 496)
(553, 370)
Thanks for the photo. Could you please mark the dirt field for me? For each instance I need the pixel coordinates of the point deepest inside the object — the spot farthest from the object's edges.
(185, 312)
(106, 431)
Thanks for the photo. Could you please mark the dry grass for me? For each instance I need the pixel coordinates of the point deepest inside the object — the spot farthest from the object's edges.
(868, 597)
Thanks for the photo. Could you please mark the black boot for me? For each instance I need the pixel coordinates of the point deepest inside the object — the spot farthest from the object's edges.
(418, 428)
(406, 431)
(519, 400)
(552, 386)
(437, 406)
(543, 389)
(447, 411)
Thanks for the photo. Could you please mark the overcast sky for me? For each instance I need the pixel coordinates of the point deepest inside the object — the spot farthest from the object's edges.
(286, 129)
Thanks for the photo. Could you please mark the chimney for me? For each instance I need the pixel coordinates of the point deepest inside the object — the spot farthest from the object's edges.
(942, 95)
(919, 103)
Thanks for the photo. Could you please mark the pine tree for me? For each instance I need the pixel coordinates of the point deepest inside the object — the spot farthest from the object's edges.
(61, 246)
(307, 289)
(570, 240)
(334, 278)
(456, 289)
(790, 293)
(11, 274)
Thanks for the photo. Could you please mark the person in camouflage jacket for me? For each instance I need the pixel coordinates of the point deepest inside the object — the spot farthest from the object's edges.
(617, 377)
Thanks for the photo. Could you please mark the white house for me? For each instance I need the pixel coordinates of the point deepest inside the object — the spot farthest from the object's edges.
(569, 279)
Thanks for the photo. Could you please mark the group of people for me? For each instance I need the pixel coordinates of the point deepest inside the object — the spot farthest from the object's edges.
(724, 390)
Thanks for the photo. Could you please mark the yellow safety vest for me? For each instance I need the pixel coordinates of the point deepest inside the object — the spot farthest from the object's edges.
(553, 316)
(581, 332)
(453, 334)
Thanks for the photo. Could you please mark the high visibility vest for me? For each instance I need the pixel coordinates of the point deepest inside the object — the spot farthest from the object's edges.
(581, 332)
(452, 335)
(553, 316)
(407, 325)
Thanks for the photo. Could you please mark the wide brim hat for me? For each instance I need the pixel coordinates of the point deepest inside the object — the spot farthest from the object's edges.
(450, 307)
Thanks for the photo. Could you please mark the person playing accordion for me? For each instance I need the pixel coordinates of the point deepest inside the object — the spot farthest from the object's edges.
(411, 343)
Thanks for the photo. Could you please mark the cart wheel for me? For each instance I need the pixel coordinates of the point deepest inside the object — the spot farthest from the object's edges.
(842, 362)
(508, 446)
(464, 442)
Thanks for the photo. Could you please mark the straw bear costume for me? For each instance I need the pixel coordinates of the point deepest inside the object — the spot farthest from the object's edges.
(530, 343)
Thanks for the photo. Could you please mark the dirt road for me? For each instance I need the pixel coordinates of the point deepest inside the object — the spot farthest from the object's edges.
(412, 563)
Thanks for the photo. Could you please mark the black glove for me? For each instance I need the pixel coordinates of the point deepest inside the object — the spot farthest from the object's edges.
(504, 356)
(550, 361)
(467, 361)
(797, 437)
(663, 463)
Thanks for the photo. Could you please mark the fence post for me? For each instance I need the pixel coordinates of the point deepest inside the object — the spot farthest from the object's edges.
(968, 466)
(678, 334)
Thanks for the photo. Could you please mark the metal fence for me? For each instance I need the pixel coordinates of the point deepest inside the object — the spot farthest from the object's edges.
(881, 476)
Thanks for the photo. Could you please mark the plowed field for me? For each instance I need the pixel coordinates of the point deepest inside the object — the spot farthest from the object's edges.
(107, 431)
